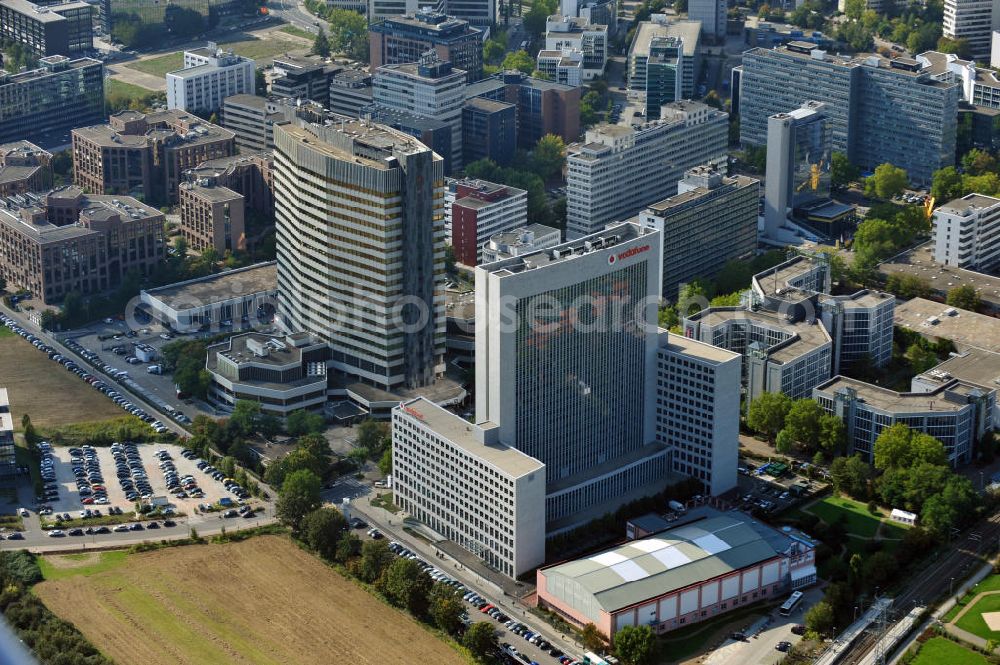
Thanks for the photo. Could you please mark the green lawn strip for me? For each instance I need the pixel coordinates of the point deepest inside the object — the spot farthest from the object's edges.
(11, 522)
(129, 90)
(298, 32)
(6, 332)
(942, 651)
(106, 561)
(972, 620)
(991, 583)
(859, 521)
(160, 65)
(105, 520)
(264, 48)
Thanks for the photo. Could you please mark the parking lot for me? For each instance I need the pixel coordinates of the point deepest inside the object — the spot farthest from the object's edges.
(100, 471)
(765, 493)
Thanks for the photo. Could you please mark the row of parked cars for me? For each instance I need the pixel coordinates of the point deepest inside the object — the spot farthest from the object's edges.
(89, 479)
(50, 490)
(131, 471)
(486, 607)
(231, 485)
(181, 487)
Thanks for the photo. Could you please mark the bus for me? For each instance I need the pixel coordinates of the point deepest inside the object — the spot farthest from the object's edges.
(790, 604)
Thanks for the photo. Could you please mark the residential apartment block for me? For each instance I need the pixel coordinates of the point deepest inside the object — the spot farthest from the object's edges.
(429, 88)
(360, 226)
(698, 409)
(482, 209)
(460, 480)
(896, 111)
(967, 233)
(62, 28)
(65, 240)
(208, 77)
(617, 171)
(956, 413)
(212, 218)
(711, 221)
(42, 105)
(543, 107)
(397, 40)
(146, 154)
(24, 167)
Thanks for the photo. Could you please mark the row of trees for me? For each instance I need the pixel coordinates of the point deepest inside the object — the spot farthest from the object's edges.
(348, 31)
(980, 174)
(800, 425)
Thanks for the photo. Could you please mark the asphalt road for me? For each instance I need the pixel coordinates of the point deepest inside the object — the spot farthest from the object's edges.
(295, 13)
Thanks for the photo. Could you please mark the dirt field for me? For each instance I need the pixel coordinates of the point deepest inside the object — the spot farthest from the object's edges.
(260, 601)
(45, 390)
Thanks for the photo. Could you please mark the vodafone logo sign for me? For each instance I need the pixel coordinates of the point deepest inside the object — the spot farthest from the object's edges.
(628, 253)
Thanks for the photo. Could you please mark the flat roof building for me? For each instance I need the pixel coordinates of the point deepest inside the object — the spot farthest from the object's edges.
(24, 167)
(42, 105)
(350, 92)
(396, 40)
(680, 576)
(481, 210)
(208, 77)
(8, 463)
(62, 28)
(576, 35)
(212, 218)
(937, 321)
(460, 480)
(489, 131)
(524, 240)
(687, 32)
(251, 118)
(303, 77)
(967, 233)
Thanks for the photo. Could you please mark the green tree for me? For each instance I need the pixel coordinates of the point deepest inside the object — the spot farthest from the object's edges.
(978, 162)
(375, 559)
(321, 45)
(347, 547)
(322, 530)
(481, 641)
(593, 639)
(245, 415)
(886, 182)
(492, 51)
(519, 60)
(636, 645)
(960, 47)
(259, 82)
(692, 298)
(851, 475)
(767, 413)
(938, 516)
(964, 297)
(853, 9)
(548, 157)
(385, 463)
(348, 33)
(668, 317)
(445, 608)
(880, 568)
(374, 437)
(907, 286)
(920, 358)
(784, 443)
(946, 184)
(899, 446)
(842, 172)
(802, 423)
(304, 422)
(299, 496)
(30, 436)
(820, 618)
(407, 585)
(832, 434)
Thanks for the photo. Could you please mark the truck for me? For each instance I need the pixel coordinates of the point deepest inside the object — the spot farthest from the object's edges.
(676, 506)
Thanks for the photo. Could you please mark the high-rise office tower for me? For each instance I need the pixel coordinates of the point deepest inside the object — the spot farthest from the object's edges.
(663, 73)
(973, 21)
(712, 14)
(566, 344)
(361, 244)
(798, 163)
(430, 88)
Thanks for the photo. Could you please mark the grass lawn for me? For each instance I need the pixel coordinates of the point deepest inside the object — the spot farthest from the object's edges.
(114, 87)
(6, 332)
(46, 391)
(70, 565)
(859, 521)
(942, 651)
(973, 621)
(160, 65)
(298, 32)
(991, 583)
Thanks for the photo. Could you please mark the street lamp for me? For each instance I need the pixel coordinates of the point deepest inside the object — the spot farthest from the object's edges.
(951, 586)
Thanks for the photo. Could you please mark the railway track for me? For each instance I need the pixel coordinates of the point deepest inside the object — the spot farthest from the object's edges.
(935, 580)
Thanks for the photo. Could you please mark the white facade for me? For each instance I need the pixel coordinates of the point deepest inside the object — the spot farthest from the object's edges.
(575, 34)
(967, 233)
(429, 89)
(617, 171)
(974, 20)
(491, 217)
(712, 14)
(698, 409)
(995, 49)
(525, 240)
(459, 480)
(565, 66)
(208, 78)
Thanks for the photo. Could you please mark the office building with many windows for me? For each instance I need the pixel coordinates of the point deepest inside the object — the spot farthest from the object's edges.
(711, 221)
(397, 40)
(489, 131)
(208, 77)
(8, 464)
(712, 15)
(361, 248)
(212, 218)
(973, 21)
(687, 33)
(698, 409)
(617, 171)
(967, 233)
(574, 34)
(460, 480)
(42, 105)
(482, 209)
(572, 386)
(63, 28)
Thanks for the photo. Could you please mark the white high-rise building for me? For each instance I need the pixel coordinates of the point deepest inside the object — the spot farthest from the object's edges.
(431, 88)
(967, 233)
(712, 14)
(361, 245)
(566, 345)
(573, 33)
(617, 171)
(698, 409)
(972, 20)
(208, 77)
